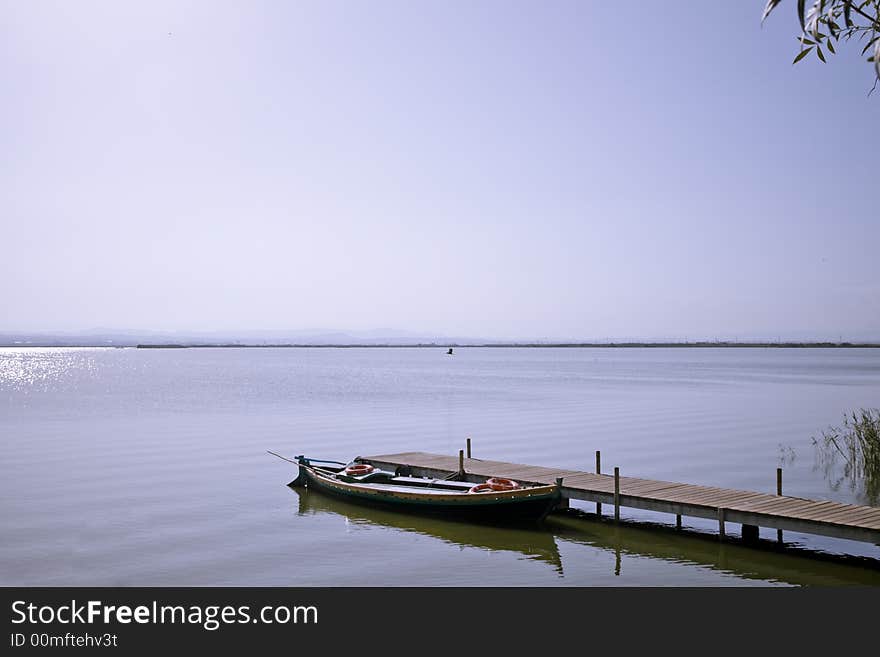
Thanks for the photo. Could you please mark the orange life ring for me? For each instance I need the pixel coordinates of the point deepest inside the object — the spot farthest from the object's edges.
(500, 483)
(481, 488)
(359, 469)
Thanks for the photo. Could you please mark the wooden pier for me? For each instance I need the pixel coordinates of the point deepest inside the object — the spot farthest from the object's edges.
(751, 510)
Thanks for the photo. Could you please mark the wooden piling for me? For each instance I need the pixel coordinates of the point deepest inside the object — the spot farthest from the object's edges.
(678, 521)
(721, 533)
(461, 461)
(750, 533)
(468, 447)
(563, 501)
(616, 494)
(779, 492)
(598, 471)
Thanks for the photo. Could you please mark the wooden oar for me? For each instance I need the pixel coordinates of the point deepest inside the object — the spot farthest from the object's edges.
(309, 461)
(283, 458)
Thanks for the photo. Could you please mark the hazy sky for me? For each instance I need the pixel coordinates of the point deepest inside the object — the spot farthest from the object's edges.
(496, 169)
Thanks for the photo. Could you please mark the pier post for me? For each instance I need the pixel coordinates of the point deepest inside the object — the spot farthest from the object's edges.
(598, 471)
(678, 521)
(721, 533)
(750, 533)
(779, 492)
(468, 447)
(616, 494)
(563, 501)
(461, 461)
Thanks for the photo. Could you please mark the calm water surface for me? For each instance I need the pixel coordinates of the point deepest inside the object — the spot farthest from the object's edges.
(149, 467)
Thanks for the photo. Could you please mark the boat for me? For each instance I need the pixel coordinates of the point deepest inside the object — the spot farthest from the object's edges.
(364, 483)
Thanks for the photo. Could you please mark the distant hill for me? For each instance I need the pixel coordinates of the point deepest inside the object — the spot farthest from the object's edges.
(131, 338)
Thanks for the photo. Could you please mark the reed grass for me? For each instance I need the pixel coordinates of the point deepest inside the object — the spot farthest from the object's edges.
(851, 454)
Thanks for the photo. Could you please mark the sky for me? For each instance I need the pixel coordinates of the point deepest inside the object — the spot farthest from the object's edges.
(508, 170)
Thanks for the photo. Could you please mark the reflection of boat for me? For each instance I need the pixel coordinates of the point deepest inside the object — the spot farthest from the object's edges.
(526, 537)
(362, 482)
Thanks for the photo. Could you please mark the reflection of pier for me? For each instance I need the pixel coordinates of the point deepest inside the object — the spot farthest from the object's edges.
(752, 510)
(526, 537)
(797, 566)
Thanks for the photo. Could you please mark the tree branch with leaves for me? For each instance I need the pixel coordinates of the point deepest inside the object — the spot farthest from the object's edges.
(826, 23)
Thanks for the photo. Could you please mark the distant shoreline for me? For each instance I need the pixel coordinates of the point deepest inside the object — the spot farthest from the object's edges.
(508, 345)
(535, 345)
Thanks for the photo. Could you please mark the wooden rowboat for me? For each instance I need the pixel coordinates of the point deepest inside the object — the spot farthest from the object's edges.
(363, 483)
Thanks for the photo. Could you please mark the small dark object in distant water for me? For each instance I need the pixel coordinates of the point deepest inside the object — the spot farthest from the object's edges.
(449, 353)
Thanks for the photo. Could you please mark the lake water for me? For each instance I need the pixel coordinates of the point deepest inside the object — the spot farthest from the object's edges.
(149, 467)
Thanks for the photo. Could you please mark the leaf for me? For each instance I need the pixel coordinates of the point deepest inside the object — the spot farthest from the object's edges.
(813, 17)
(801, 17)
(830, 47)
(771, 5)
(806, 41)
(802, 54)
(877, 57)
(847, 8)
(821, 56)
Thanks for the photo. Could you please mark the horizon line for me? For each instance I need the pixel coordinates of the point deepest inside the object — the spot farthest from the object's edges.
(421, 345)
